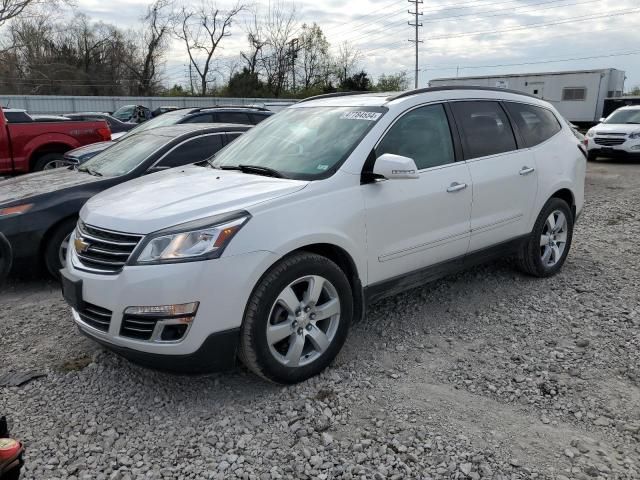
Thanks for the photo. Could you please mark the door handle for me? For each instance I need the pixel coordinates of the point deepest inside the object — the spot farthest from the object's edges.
(527, 170)
(456, 187)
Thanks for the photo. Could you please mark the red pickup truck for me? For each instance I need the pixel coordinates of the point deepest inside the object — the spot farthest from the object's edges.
(32, 145)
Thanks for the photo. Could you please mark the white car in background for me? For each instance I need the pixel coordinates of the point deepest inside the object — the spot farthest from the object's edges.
(271, 249)
(618, 136)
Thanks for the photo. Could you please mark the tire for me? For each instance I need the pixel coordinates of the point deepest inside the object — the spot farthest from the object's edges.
(49, 161)
(307, 344)
(52, 251)
(6, 258)
(544, 260)
(592, 157)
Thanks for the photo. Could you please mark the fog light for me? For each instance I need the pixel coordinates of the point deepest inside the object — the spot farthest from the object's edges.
(635, 147)
(171, 333)
(164, 310)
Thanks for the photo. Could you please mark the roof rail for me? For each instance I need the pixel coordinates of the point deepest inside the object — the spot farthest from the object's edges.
(250, 107)
(418, 91)
(332, 95)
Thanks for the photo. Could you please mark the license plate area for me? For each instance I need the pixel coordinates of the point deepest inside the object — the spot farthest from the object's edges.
(72, 290)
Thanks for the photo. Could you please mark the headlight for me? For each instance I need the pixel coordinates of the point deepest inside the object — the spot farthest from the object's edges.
(17, 210)
(199, 240)
(635, 135)
(590, 133)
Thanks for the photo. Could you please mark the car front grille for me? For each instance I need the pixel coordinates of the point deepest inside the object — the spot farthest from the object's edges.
(609, 142)
(95, 316)
(137, 326)
(104, 251)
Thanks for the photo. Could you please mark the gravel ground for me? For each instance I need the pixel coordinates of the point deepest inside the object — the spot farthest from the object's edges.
(484, 375)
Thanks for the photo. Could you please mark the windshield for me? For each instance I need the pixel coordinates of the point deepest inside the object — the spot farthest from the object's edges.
(124, 113)
(301, 143)
(162, 121)
(124, 156)
(624, 116)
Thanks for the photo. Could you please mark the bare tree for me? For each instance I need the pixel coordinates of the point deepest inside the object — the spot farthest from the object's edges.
(280, 29)
(202, 30)
(151, 46)
(257, 42)
(313, 56)
(13, 8)
(347, 60)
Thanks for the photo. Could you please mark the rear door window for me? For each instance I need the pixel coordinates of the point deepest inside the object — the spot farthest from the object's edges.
(485, 128)
(233, 117)
(256, 118)
(536, 124)
(191, 151)
(208, 118)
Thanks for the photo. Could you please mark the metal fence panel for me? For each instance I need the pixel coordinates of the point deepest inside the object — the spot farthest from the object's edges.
(70, 104)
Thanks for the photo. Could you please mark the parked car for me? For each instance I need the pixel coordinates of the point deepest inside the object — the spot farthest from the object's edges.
(33, 146)
(39, 211)
(272, 252)
(617, 136)
(240, 115)
(115, 125)
(133, 114)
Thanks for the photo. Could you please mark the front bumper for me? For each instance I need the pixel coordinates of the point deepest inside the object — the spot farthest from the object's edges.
(222, 286)
(629, 149)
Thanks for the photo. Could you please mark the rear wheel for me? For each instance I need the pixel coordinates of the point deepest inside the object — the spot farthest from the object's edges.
(547, 248)
(55, 253)
(50, 161)
(297, 319)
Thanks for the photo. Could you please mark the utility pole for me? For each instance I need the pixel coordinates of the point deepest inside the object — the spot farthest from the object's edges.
(417, 25)
(293, 52)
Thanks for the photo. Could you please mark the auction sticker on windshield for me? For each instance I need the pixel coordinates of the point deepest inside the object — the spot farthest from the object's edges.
(370, 116)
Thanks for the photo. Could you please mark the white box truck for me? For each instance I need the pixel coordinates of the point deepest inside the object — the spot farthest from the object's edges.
(578, 95)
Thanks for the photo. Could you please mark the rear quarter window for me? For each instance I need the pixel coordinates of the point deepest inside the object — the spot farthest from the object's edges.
(535, 124)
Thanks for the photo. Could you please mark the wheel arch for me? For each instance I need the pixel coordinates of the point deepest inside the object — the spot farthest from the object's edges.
(50, 231)
(55, 147)
(567, 195)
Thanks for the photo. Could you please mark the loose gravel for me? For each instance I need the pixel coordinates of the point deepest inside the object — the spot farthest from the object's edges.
(488, 374)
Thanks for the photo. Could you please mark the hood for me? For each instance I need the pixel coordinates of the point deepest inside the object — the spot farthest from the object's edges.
(179, 195)
(39, 183)
(88, 150)
(612, 128)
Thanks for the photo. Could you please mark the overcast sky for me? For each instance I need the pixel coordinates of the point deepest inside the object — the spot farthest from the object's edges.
(480, 37)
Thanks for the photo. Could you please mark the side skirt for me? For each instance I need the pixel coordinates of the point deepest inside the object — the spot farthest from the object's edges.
(387, 288)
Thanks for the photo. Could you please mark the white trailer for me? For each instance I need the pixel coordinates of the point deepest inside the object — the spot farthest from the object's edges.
(578, 95)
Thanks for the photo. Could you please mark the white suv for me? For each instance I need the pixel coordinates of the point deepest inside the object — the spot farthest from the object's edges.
(617, 136)
(271, 249)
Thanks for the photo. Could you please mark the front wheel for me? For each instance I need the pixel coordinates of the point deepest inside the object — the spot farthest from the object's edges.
(546, 249)
(297, 319)
(55, 253)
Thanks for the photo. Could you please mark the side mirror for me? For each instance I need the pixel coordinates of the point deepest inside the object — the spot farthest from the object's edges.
(395, 167)
(602, 119)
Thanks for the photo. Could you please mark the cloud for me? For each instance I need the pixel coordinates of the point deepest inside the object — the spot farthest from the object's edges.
(379, 29)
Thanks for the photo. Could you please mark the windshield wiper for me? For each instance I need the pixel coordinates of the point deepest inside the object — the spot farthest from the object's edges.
(266, 171)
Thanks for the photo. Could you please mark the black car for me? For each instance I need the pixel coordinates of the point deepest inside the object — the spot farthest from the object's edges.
(38, 211)
(115, 125)
(162, 110)
(226, 114)
(133, 113)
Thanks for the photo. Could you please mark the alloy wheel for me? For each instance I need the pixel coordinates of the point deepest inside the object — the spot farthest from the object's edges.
(553, 239)
(55, 164)
(303, 321)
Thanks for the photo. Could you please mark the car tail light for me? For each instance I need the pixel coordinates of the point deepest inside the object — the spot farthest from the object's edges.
(105, 133)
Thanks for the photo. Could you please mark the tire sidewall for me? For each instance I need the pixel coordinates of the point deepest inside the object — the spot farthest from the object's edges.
(265, 296)
(51, 258)
(5, 258)
(534, 247)
(45, 159)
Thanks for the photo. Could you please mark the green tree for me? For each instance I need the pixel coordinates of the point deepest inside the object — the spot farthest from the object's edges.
(358, 82)
(245, 84)
(393, 83)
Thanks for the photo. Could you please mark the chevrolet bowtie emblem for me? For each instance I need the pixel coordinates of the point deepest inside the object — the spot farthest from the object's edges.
(81, 245)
